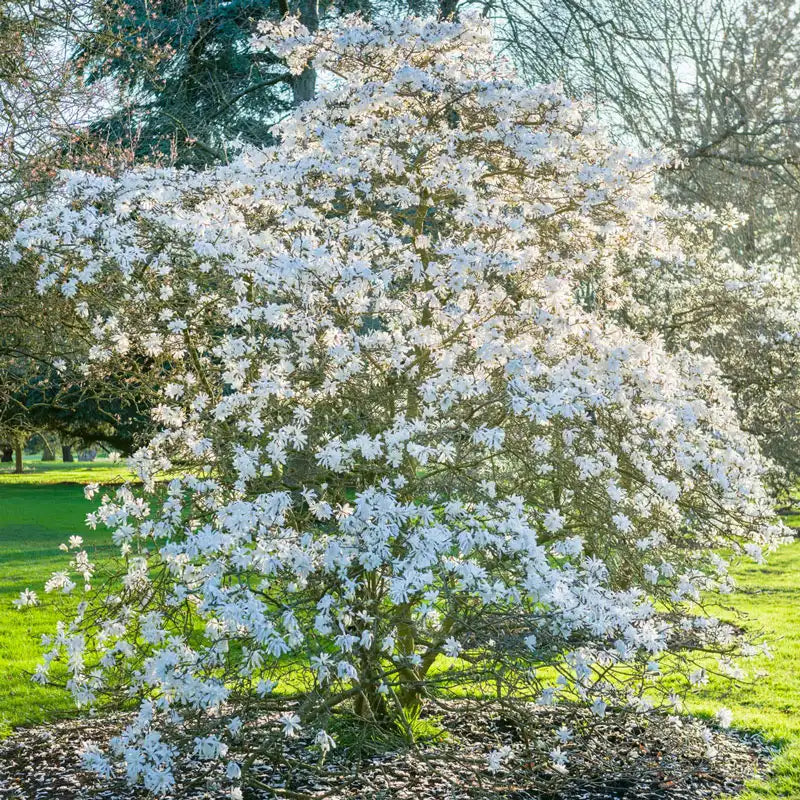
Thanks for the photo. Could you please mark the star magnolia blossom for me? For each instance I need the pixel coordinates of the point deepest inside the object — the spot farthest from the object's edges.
(396, 431)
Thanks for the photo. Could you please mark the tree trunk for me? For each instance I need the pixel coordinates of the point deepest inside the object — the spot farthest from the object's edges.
(304, 84)
(48, 451)
(370, 703)
(18, 458)
(7, 455)
(448, 9)
(66, 453)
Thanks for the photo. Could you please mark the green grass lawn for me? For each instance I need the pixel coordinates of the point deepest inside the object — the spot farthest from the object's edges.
(770, 595)
(44, 506)
(34, 520)
(38, 473)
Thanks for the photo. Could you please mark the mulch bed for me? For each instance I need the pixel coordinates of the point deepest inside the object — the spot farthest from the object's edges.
(619, 757)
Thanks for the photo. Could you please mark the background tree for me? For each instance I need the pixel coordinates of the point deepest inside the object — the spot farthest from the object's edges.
(714, 84)
(45, 112)
(191, 87)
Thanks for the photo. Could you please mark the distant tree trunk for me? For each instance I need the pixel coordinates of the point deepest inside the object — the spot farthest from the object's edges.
(18, 457)
(304, 84)
(7, 455)
(66, 453)
(48, 451)
(448, 9)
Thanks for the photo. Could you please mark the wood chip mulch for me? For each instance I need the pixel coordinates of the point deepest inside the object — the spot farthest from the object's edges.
(619, 757)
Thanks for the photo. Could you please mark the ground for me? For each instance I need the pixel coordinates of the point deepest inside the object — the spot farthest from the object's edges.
(43, 507)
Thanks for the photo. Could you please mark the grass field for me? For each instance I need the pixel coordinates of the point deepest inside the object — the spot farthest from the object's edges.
(34, 520)
(39, 473)
(44, 506)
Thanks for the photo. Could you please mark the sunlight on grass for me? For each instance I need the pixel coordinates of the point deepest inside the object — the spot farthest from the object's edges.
(38, 473)
(770, 595)
(34, 520)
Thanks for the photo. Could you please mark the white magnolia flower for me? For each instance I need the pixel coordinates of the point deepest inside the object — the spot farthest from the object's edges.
(598, 708)
(564, 734)
(324, 741)
(496, 758)
(26, 599)
(451, 648)
(724, 717)
(209, 747)
(554, 520)
(233, 771)
(291, 725)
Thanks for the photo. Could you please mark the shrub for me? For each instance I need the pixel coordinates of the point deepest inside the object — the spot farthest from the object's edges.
(413, 448)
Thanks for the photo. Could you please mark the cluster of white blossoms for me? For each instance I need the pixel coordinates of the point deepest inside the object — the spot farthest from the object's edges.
(405, 452)
(741, 310)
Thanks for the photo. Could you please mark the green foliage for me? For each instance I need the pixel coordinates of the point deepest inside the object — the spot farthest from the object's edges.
(364, 740)
(190, 83)
(84, 410)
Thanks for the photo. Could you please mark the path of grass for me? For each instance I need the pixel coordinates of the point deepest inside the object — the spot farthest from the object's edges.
(35, 519)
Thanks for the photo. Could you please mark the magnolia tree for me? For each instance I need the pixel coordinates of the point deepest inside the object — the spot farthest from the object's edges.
(743, 315)
(402, 454)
